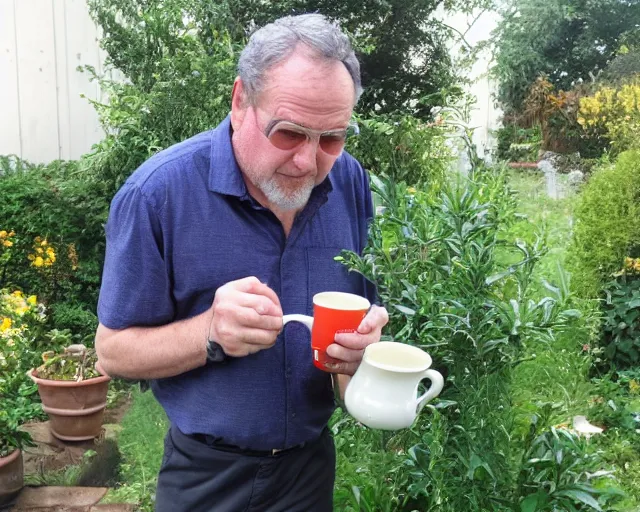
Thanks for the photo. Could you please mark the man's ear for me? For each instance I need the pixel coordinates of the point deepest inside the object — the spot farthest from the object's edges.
(239, 104)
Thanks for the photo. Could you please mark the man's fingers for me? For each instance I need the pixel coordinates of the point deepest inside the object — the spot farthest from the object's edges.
(254, 286)
(249, 317)
(342, 367)
(377, 317)
(353, 341)
(344, 354)
(260, 304)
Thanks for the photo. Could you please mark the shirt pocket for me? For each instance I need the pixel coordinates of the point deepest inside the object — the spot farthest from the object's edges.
(327, 275)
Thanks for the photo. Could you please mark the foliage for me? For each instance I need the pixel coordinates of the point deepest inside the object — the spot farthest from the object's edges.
(55, 250)
(565, 40)
(401, 48)
(516, 144)
(180, 81)
(402, 148)
(21, 318)
(11, 438)
(557, 114)
(556, 473)
(434, 258)
(613, 115)
(607, 224)
(621, 323)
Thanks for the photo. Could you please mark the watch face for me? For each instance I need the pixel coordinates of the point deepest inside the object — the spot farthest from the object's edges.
(215, 354)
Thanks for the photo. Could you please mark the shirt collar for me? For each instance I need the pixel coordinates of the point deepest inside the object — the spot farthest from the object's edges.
(225, 176)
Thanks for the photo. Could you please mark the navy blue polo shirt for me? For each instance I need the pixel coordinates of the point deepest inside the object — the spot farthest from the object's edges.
(183, 225)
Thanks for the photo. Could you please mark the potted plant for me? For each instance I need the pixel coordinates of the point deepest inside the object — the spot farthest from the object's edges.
(73, 392)
(11, 467)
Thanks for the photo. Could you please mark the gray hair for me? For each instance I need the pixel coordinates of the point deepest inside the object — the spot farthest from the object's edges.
(276, 41)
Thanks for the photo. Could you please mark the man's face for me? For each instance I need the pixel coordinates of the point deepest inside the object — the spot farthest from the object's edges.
(281, 170)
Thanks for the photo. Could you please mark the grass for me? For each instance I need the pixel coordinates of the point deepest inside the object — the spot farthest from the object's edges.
(141, 445)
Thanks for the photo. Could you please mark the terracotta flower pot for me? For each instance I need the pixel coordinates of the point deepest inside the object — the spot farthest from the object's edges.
(11, 477)
(75, 409)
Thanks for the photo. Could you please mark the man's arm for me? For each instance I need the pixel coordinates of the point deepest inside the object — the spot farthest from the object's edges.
(245, 317)
(154, 352)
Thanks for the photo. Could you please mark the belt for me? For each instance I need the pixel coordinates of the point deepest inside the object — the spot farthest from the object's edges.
(215, 443)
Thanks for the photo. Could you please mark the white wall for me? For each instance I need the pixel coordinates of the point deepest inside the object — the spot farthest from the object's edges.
(42, 114)
(486, 115)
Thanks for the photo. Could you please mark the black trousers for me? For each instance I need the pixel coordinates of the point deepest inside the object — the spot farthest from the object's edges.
(197, 477)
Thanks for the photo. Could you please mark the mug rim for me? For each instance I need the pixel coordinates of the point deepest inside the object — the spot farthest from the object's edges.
(359, 303)
(399, 369)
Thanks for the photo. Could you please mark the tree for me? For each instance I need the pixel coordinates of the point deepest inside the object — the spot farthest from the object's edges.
(566, 40)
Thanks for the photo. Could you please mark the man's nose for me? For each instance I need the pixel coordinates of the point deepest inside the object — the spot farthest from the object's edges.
(305, 157)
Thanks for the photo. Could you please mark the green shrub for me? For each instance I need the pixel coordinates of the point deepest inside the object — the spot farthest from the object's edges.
(607, 224)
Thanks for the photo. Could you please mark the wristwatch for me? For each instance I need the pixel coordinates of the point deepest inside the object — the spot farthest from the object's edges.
(215, 352)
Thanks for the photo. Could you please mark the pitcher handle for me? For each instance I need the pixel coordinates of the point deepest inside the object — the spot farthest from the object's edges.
(437, 383)
(303, 319)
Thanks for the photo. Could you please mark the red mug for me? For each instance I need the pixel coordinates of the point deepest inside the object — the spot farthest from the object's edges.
(333, 313)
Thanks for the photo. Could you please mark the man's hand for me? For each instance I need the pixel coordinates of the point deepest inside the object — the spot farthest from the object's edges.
(247, 317)
(349, 348)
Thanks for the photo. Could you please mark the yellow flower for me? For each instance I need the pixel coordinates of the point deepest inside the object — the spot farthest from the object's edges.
(7, 243)
(32, 299)
(12, 233)
(39, 250)
(38, 262)
(6, 324)
(18, 293)
(634, 387)
(44, 242)
(22, 310)
(3, 234)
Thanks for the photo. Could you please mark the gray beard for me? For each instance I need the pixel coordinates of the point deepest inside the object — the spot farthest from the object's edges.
(295, 200)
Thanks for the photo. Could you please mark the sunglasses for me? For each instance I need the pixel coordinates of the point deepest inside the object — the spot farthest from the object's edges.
(286, 136)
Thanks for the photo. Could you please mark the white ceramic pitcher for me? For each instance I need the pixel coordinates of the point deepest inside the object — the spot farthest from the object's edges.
(383, 393)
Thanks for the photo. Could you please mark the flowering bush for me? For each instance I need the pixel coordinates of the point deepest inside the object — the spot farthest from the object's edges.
(613, 114)
(22, 320)
(49, 266)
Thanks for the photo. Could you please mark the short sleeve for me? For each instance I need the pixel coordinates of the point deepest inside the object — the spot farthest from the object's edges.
(135, 289)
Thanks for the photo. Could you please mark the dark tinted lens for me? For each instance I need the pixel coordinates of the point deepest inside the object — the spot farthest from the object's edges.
(333, 143)
(286, 139)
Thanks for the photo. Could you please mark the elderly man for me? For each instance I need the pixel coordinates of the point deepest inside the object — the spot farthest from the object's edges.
(209, 243)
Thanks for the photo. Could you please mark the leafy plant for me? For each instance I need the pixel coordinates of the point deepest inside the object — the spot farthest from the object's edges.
(621, 323)
(11, 437)
(75, 362)
(558, 473)
(613, 115)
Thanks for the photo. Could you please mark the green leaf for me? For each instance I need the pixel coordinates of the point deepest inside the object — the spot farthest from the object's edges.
(580, 496)
(533, 502)
(404, 309)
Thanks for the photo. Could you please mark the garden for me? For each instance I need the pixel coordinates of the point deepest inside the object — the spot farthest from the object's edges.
(521, 281)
